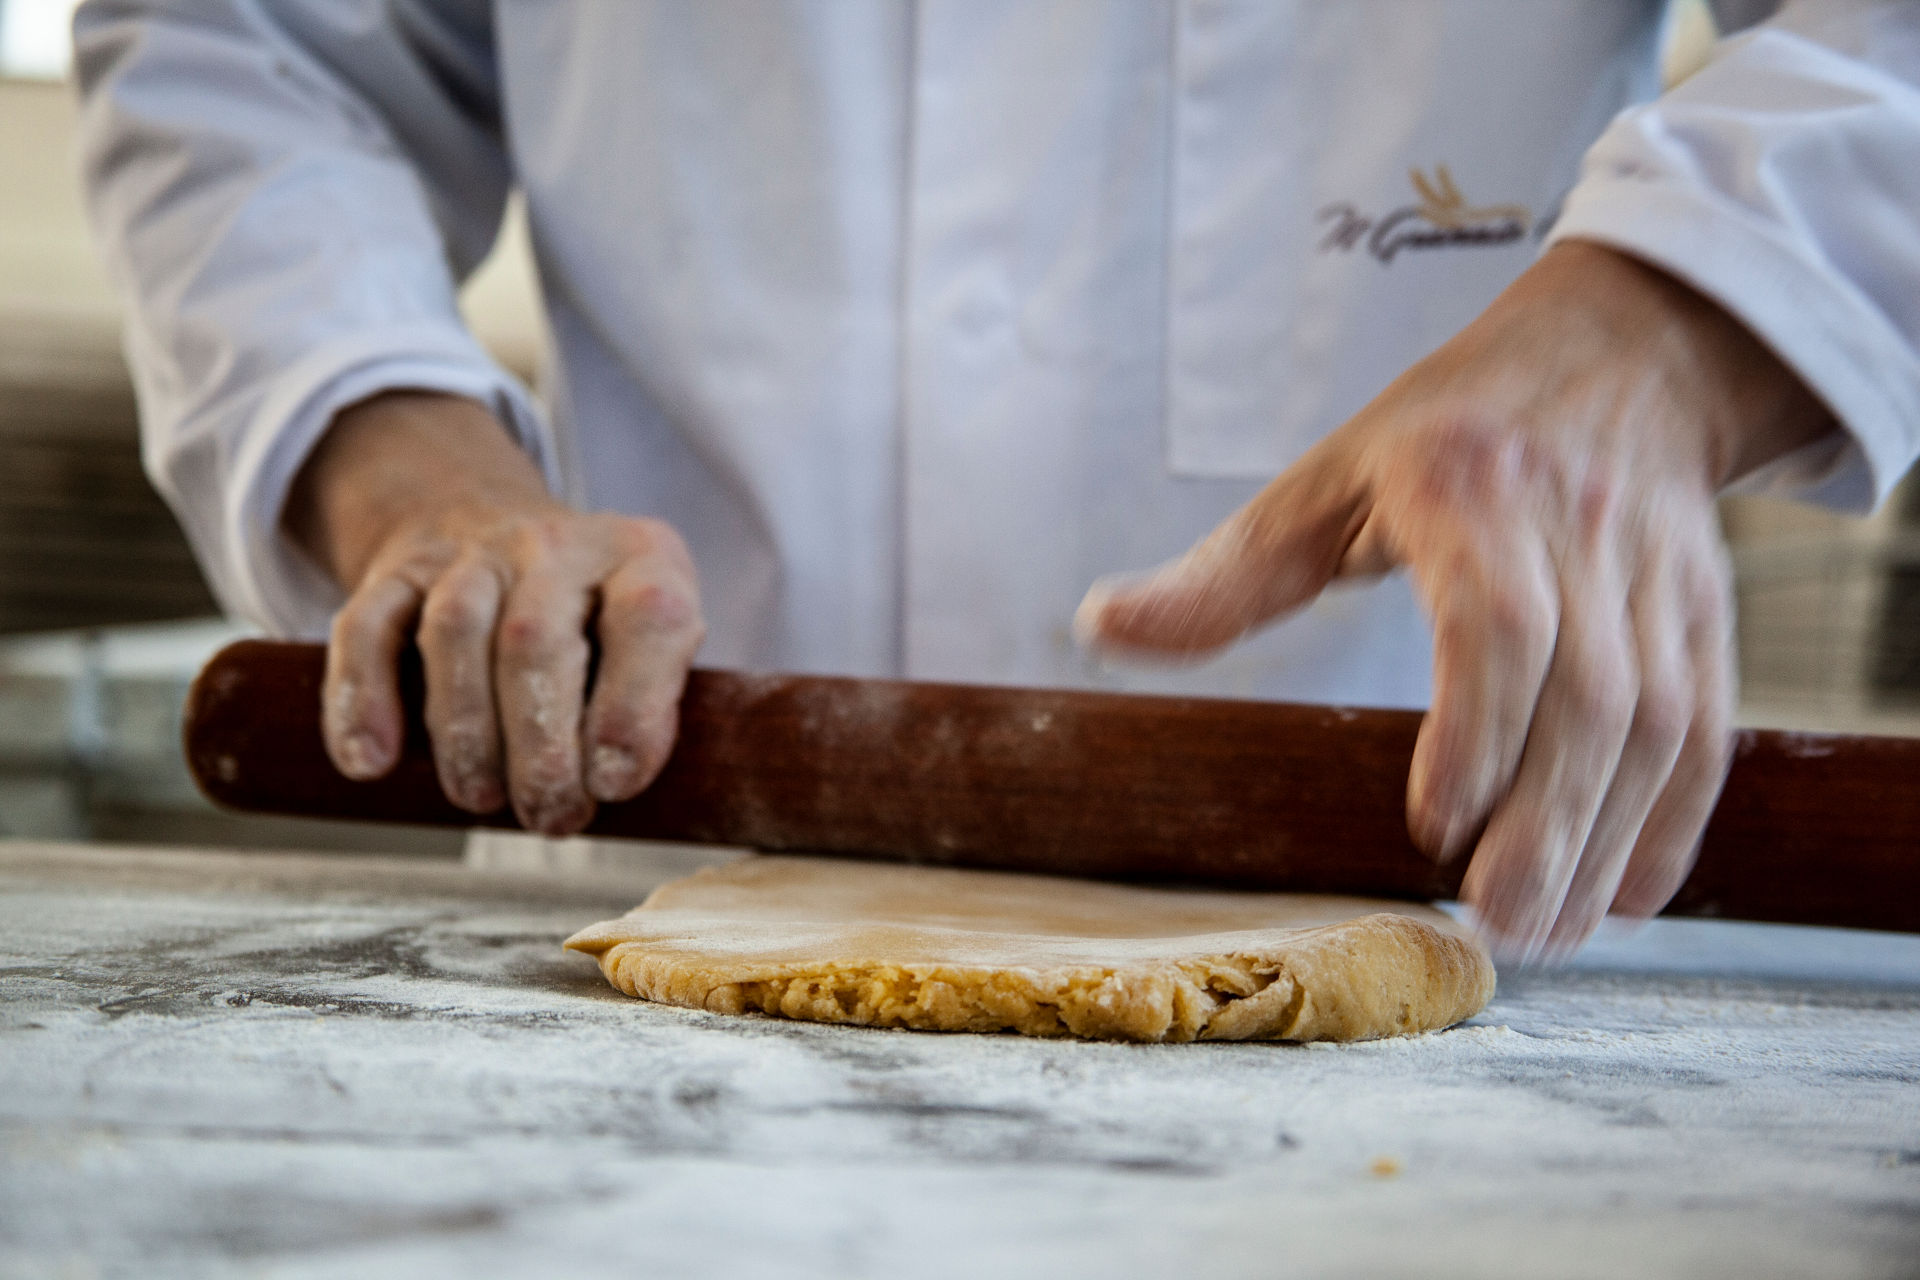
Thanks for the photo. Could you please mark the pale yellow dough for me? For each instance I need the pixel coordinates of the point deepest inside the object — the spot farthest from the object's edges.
(831, 940)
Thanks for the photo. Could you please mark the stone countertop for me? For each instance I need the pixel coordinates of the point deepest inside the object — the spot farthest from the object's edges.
(278, 1065)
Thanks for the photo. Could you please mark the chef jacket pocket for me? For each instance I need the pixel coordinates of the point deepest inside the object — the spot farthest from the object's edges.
(1351, 183)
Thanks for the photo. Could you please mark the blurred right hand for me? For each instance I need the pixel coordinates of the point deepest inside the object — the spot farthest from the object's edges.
(439, 527)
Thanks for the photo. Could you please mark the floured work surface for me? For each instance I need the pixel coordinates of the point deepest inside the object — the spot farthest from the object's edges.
(245, 1065)
(937, 949)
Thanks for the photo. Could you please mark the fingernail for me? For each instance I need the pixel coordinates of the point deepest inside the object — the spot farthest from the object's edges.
(610, 773)
(1523, 943)
(467, 770)
(553, 810)
(361, 757)
(1442, 837)
(1086, 619)
(556, 819)
(1455, 836)
(1508, 952)
(480, 795)
(1625, 925)
(1513, 935)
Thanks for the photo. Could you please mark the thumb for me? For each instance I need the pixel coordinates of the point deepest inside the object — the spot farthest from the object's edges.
(1272, 556)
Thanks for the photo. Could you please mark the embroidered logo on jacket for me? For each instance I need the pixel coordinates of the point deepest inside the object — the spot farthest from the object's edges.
(1441, 220)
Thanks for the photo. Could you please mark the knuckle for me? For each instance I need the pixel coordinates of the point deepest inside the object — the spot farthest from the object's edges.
(421, 563)
(652, 605)
(356, 618)
(456, 612)
(414, 552)
(1465, 444)
(1464, 461)
(1518, 617)
(415, 557)
(534, 540)
(360, 633)
(646, 534)
(525, 639)
(1602, 691)
(642, 538)
(1596, 506)
(1664, 714)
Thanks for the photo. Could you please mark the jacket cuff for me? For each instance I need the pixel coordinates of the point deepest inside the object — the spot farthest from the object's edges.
(1840, 345)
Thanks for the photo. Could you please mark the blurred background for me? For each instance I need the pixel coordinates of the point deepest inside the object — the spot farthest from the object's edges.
(104, 618)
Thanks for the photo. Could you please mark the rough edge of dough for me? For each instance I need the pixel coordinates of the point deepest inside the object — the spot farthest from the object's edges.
(1376, 975)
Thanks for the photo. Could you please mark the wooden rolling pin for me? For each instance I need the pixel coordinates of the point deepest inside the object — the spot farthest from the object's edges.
(1811, 829)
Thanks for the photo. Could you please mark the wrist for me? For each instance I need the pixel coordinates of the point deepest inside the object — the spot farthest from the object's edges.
(1751, 406)
(399, 460)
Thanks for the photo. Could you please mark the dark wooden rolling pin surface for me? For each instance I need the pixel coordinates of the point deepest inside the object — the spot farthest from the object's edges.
(1811, 829)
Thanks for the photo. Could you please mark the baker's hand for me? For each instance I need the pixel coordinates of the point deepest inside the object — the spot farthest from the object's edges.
(443, 529)
(1547, 478)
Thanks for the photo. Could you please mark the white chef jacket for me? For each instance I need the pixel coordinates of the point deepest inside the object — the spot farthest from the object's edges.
(917, 317)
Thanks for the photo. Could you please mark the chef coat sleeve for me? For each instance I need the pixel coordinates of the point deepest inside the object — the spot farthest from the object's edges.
(287, 195)
(1783, 180)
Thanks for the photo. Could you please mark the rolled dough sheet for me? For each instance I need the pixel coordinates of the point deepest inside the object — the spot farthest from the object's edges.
(937, 949)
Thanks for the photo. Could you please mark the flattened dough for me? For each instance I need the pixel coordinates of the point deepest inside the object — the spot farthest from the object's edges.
(935, 949)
